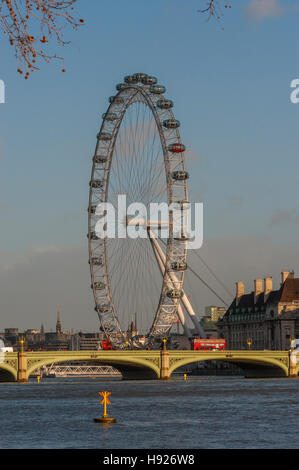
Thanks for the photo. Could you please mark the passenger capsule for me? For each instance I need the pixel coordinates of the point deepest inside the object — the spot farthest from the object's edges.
(179, 266)
(104, 136)
(104, 308)
(139, 76)
(174, 294)
(171, 123)
(97, 261)
(157, 89)
(92, 208)
(96, 184)
(131, 79)
(176, 148)
(116, 99)
(96, 308)
(165, 104)
(121, 86)
(180, 175)
(98, 285)
(93, 236)
(181, 205)
(182, 237)
(148, 80)
(100, 158)
(110, 116)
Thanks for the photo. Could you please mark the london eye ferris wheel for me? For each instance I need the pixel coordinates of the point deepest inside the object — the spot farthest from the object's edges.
(138, 154)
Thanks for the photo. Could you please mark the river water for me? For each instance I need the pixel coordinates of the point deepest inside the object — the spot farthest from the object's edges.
(200, 413)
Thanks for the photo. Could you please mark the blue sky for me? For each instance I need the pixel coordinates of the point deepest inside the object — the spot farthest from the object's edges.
(231, 90)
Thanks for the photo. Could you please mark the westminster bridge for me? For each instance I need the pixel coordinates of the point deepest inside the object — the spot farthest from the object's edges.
(154, 364)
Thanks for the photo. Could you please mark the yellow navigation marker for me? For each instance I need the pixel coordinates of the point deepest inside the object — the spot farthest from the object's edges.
(105, 418)
(185, 376)
(38, 379)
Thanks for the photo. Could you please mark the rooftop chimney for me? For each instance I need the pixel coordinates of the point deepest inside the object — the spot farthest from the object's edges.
(240, 290)
(258, 288)
(268, 283)
(285, 275)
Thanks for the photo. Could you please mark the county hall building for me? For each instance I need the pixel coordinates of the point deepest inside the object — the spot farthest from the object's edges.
(265, 318)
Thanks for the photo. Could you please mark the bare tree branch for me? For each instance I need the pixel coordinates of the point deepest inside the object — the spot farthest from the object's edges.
(214, 8)
(19, 19)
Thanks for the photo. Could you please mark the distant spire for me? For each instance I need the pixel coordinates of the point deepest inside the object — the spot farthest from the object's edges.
(42, 329)
(58, 324)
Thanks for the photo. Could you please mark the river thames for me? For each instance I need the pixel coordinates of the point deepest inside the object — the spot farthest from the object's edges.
(200, 413)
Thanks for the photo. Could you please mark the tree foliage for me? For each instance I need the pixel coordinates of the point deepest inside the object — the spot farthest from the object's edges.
(30, 25)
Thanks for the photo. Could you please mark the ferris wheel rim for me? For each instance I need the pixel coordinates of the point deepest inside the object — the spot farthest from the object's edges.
(150, 99)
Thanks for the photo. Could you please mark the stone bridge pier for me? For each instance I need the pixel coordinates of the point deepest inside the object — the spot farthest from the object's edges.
(22, 367)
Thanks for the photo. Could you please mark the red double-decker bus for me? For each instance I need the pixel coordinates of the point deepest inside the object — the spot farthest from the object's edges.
(106, 345)
(199, 344)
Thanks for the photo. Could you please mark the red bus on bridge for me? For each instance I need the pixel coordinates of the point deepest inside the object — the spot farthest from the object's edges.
(106, 345)
(199, 344)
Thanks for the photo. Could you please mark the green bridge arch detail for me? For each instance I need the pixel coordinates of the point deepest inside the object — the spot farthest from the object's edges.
(9, 369)
(118, 363)
(239, 359)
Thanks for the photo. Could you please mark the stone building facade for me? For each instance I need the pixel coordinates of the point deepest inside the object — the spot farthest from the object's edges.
(265, 318)
(214, 312)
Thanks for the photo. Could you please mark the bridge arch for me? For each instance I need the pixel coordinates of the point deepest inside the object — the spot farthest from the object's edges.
(130, 368)
(243, 362)
(7, 373)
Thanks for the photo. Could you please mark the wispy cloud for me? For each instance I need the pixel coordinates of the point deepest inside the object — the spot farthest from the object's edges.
(285, 217)
(191, 156)
(234, 202)
(259, 10)
(34, 282)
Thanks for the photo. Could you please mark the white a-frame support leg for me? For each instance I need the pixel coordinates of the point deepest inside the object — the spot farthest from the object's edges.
(170, 285)
(184, 299)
